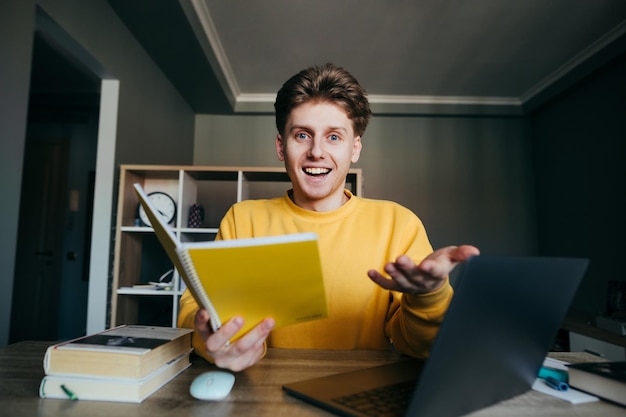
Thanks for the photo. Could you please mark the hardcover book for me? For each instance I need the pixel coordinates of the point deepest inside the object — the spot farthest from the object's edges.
(112, 389)
(604, 379)
(278, 277)
(127, 351)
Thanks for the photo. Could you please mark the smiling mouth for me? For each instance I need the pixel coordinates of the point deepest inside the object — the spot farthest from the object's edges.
(316, 171)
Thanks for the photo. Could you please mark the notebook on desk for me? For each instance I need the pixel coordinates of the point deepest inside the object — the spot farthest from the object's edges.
(499, 327)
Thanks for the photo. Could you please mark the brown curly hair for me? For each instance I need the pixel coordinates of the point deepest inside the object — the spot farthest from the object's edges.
(324, 83)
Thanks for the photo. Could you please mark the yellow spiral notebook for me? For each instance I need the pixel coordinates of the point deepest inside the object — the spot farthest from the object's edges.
(278, 276)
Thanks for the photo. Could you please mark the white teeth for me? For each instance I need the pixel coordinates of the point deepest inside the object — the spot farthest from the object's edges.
(316, 171)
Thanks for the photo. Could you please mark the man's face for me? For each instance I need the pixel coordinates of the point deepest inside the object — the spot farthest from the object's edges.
(318, 147)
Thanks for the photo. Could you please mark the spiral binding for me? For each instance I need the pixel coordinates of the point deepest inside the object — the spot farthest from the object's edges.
(195, 286)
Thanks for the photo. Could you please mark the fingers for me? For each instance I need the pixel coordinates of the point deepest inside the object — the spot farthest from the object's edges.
(406, 276)
(224, 334)
(426, 277)
(244, 352)
(201, 322)
(404, 273)
(383, 281)
(461, 253)
(465, 251)
(442, 261)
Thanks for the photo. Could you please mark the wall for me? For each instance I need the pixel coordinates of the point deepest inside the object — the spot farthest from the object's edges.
(579, 147)
(154, 125)
(468, 179)
(16, 37)
(552, 183)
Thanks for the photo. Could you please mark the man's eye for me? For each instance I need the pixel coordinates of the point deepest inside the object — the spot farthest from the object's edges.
(333, 137)
(301, 135)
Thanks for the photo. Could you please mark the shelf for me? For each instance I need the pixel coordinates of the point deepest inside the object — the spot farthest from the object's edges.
(200, 230)
(144, 229)
(143, 291)
(584, 324)
(137, 229)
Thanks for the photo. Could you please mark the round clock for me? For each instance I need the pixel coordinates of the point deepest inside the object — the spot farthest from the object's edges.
(164, 205)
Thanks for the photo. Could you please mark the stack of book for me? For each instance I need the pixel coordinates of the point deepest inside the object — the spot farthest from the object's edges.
(604, 379)
(124, 364)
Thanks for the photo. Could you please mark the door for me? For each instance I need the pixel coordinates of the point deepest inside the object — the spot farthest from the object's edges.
(39, 255)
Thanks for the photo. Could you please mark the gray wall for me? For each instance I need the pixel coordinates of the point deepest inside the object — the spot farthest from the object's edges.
(550, 184)
(155, 125)
(580, 152)
(468, 179)
(16, 35)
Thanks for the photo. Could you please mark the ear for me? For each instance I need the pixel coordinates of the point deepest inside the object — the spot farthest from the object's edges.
(356, 149)
(279, 148)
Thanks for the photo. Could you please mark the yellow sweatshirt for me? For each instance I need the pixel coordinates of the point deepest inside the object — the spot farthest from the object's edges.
(363, 234)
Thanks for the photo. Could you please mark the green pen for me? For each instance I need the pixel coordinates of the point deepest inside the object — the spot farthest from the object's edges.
(69, 393)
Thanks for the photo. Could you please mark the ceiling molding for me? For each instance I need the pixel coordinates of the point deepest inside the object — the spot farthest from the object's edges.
(396, 104)
(216, 54)
(572, 71)
(617, 33)
(255, 103)
(381, 104)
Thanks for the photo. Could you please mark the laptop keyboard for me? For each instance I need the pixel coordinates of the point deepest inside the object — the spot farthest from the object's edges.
(388, 401)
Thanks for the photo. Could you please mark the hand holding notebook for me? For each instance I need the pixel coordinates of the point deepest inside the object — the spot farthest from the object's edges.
(278, 277)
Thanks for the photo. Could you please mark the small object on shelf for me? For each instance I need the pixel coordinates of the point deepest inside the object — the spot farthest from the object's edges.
(165, 206)
(156, 286)
(161, 284)
(196, 216)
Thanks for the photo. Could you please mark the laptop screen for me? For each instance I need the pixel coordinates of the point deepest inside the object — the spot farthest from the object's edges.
(499, 327)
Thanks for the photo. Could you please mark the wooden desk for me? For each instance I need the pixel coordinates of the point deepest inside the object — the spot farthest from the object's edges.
(257, 390)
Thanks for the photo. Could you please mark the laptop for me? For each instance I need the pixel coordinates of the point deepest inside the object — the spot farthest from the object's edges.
(501, 323)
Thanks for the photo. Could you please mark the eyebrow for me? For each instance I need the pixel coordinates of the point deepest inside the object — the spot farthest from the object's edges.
(330, 129)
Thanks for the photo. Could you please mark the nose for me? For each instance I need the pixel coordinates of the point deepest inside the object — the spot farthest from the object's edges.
(316, 150)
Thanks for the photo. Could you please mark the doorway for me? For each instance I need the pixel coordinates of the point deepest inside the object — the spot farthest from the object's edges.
(51, 282)
(38, 266)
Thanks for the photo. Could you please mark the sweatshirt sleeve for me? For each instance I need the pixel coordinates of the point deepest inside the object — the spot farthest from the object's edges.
(186, 318)
(414, 320)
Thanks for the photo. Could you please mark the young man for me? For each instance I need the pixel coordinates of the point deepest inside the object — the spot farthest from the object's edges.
(321, 114)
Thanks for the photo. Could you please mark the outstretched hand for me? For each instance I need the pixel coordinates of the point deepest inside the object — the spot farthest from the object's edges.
(239, 355)
(406, 276)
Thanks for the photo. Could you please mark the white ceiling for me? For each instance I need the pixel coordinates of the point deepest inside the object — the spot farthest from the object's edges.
(412, 56)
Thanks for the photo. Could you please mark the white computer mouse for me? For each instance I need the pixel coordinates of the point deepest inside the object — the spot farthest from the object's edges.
(212, 385)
